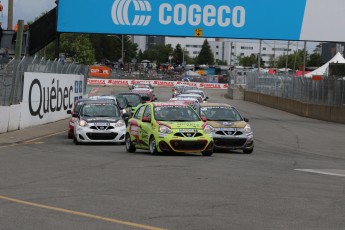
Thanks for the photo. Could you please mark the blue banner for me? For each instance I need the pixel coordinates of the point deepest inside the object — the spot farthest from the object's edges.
(264, 19)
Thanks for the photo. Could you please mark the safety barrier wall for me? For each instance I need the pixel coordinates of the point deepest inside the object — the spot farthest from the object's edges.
(320, 112)
(46, 98)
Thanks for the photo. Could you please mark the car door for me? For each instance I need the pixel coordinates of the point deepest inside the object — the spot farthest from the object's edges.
(145, 126)
(135, 125)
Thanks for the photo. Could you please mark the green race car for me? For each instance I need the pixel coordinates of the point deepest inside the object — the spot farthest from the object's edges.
(168, 127)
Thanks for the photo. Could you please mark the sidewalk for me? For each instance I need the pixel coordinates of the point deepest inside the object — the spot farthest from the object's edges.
(34, 132)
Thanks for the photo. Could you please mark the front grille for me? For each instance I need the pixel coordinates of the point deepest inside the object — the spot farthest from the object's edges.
(231, 142)
(229, 133)
(102, 127)
(188, 134)
(101, 136)
(188, 145)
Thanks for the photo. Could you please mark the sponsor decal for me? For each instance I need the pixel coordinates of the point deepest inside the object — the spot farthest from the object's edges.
(52, 98)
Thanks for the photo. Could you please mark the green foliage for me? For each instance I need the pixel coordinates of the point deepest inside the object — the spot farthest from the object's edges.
(314, 60)
(205, 56)
(248, 61)
(158, 53)
(294, 60)
(78, 46)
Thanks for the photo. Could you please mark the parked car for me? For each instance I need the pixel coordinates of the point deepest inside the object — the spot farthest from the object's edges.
(99, 121)
(162, 127)
(230, 131)
(142, 85)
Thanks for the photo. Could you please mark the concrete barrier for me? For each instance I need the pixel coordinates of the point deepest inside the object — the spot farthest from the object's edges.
(320, 112)
(5, 114)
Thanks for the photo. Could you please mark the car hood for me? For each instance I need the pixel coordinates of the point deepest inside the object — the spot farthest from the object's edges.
(183, 124)
(227, 124)
(101, 119)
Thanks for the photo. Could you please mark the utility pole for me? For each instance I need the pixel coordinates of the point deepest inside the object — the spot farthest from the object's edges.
(10, 15)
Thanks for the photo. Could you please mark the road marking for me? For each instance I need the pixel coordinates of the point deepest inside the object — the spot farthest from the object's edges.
(131, 224)
(330, 172)
(39, 138)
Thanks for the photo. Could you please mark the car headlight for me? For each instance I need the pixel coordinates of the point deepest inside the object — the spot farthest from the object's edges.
(247, 129)
(164, 129)
(82, 123)
(208, 129)
(124, 111)
(119, 123)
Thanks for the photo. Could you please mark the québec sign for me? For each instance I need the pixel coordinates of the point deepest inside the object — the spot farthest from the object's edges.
(264, 19)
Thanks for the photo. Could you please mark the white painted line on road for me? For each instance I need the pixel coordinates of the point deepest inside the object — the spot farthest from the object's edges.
(330, 172)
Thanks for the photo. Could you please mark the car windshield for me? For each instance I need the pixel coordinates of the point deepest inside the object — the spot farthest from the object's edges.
(100, 110)
(133, 99)
(175, 113)
(121, 102)
(220, 113)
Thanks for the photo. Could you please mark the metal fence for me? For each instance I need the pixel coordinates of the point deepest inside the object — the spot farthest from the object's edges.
(328, 91)
(12, 75)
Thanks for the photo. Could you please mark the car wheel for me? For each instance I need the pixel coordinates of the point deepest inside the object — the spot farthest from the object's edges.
(248, 151)
(153, 146)
(129, 145)
(75, 140)
(70, 135)
(207, 153)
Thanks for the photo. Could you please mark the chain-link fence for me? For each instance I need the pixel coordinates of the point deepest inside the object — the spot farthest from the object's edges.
(328, 91)
(12, 75)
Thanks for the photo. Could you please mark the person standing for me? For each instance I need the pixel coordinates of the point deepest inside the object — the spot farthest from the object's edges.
(1, 32)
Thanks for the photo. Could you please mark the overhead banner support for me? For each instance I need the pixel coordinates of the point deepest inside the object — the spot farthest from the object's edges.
(314, 20)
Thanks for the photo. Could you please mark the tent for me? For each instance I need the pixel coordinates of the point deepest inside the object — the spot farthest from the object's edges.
(338, 58)
(191, 73)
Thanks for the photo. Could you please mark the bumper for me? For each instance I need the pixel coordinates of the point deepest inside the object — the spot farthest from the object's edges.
(184, 145)
(89, 135)
(245, 141)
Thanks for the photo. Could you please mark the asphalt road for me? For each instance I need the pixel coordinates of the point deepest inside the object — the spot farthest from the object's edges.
(294, 179)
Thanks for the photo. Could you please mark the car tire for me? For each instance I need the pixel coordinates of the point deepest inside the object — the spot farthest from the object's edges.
(207, 153)
(153, 146)
(75, 140)
(70, 135)
(248, 151)
(129, 145)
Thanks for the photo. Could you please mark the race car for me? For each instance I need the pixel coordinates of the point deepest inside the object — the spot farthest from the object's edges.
(230, 131)
(99, 121)
(162, 127)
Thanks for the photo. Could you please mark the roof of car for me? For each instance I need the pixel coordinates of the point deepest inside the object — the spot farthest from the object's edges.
(169, 103)
(213, 104)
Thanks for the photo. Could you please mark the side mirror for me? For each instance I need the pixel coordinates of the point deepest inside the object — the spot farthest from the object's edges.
(75, 115)
(246, 119)
(206, 98)
(146, 119)
(203, 118)
(69, 111)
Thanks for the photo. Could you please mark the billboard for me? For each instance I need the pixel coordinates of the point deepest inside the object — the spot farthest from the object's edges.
(264, 19)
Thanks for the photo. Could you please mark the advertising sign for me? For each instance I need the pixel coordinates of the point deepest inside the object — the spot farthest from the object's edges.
(47, 97)
(99, 71)
(264, 19)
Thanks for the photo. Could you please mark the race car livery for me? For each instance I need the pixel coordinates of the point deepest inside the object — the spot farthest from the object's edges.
(168, 127)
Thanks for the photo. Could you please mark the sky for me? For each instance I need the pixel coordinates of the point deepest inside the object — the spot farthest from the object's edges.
(26, 10)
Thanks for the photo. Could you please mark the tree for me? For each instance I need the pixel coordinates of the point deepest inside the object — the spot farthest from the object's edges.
(205, 56)
(178, 55)
(314, 60)
(248, 61)
(159, 53)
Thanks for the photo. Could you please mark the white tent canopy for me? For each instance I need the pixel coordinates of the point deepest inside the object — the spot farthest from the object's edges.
(338, 58)
(191, 73)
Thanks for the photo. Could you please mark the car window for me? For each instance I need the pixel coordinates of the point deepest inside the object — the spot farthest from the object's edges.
(220, 113)
(133, 99)
(100, 110)
(147, 112)
(175, 113)
(121, 101)
(139, 113)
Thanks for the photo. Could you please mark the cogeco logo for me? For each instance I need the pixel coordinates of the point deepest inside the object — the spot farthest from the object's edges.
(120, 9)
(179, 14)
